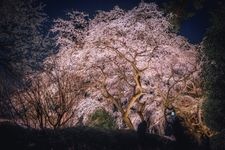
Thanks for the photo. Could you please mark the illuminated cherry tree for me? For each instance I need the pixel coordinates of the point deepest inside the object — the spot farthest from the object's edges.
(132, 60)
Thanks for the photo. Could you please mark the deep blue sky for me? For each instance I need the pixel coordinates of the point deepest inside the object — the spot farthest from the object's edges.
(193, 28)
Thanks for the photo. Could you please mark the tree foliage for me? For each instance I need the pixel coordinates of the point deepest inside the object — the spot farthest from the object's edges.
(23, 44)
(181, 10)
(102, 119)
(214, 70)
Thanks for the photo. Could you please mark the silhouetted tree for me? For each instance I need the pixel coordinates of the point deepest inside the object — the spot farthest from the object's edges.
(142, 129)
(182, 10)
(142, 132)
(22, 43)
(170, 118)
(214, 76)
(214, 72)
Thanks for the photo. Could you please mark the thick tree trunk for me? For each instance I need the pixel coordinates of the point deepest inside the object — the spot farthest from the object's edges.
(127, 121)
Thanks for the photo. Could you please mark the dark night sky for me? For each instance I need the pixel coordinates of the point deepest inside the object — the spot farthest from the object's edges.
(193, 28)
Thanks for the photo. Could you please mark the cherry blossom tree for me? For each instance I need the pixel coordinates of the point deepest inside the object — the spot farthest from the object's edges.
(50, 101)
(131, 59)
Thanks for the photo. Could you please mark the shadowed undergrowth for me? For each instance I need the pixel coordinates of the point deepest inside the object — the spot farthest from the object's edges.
(77, 138)
(80, 138)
